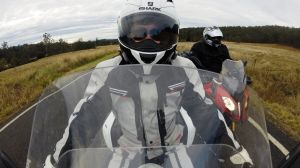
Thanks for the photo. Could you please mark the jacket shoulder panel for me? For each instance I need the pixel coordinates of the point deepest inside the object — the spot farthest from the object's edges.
(193, 75)
(100, 74)
(183, 62)
(110, 62)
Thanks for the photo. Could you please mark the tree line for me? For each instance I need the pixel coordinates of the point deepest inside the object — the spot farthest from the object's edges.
(18, 55)
(256, 34)
(22, 54)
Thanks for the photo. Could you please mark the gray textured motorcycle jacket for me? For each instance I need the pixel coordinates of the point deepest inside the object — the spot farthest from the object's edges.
(158, 125)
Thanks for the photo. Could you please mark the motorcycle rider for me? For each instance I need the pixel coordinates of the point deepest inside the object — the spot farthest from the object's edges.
(148, 35)
(210, 53)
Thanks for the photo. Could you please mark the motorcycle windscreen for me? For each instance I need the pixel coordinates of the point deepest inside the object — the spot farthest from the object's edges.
(195, 156)
(233, 74)
(138, 106)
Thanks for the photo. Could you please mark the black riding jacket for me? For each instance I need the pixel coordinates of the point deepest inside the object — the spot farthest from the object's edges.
(209, 58)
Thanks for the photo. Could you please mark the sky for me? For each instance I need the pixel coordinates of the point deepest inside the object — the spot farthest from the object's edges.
(25, 21)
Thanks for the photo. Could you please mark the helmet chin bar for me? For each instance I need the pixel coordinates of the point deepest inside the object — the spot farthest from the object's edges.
(211, 43)
(147, 57)
(132, 56)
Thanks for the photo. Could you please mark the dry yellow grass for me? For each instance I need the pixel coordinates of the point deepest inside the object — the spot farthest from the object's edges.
(275, 70)
(22, 85)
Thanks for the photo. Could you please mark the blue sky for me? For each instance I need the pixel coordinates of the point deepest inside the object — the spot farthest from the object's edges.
(24, 21)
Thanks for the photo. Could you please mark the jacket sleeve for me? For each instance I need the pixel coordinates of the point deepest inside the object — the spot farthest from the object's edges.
(194, 48)
(202, 114)
(84, 124)
(226, 53)
(197, 49)
(198, 55)
(89, 112)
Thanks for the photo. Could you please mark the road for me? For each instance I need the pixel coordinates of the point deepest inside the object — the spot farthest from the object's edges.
(14, 140)
(288, 143)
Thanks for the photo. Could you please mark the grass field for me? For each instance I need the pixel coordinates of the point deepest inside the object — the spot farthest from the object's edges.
(22, 85)
(275, 71)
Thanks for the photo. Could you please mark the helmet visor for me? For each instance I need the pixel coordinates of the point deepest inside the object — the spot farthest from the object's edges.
(216, 40)
(148, 32)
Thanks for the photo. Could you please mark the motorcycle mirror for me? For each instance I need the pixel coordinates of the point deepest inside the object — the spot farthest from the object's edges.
(5, 161)
(292, 160)
(248, 80)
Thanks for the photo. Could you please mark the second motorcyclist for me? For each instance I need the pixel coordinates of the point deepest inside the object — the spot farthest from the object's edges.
(210, 53)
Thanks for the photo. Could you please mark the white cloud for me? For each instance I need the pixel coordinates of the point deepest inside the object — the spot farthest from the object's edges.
(237, 12)
(24, 21)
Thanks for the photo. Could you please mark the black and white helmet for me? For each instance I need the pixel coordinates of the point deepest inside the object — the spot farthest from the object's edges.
(148, 31)
(212, 36)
